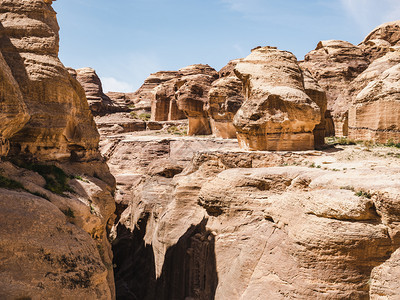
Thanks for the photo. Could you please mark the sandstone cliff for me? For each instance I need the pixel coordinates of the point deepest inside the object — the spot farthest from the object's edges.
(56, 192)
(334, 64)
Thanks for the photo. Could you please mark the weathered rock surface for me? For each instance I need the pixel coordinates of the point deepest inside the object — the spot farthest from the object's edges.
(13, 114)
(192, 96)
(53, 138)
(277, 113)
(225, 99)
(318, 95)
(143, 96)
(233, 226)
(60, 124)
(164, 105)
(43, 255)
(335, 64)
(99, 102)
(375, 112)
(185, 96)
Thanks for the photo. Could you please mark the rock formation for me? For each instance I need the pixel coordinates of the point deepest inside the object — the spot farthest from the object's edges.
(277, 113)
(56, 192)
(185, 96)
(235, 225)
(225, 99)
(192, 96)
(318, 95)
(13, 114)
(334, 64)
(99, 102)
(60, 124)
(143, 96)
(375, 111)
(164, 105)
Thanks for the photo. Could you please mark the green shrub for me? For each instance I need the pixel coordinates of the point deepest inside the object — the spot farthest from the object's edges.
(145, 116)
(68, 212)
(56, 179)
(10, 184)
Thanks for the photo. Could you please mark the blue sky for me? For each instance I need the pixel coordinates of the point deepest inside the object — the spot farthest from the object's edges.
(126, 40)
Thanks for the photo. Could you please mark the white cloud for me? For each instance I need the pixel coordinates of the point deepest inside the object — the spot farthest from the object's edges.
(370, 13)
(110, 84)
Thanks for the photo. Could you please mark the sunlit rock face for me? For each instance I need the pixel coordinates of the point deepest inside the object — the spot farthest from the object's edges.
(53, 232)
(277, 113)
(381, 40)
(225, 99)
(375, 111)
(13, 114)
(192, 96)
(60, 124)
(334, 64)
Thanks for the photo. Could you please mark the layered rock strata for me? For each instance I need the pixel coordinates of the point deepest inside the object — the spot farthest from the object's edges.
(60, 124)
(143, 96)
(13, 114)
(99, 103)
(375, 111)
(57, 196)
(335, 64)
(277, 113)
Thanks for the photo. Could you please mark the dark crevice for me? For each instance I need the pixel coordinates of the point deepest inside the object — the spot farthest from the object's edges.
(188, 272)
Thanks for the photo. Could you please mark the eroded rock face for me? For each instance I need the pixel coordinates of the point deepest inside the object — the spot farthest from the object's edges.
(60, 125)
(334, 64)
(58, 203)
(381, 40)
(185, 97)
(375, 112)
(164, 105)
(13, 114)
(277, 113)
(318, 95)
(225, 99)
(255, 231)
(99, 102)
(143, 96)
(192, 97)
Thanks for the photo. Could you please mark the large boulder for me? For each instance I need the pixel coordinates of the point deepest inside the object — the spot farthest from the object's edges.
(61, 125)
(277, 113)
(334, 64)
